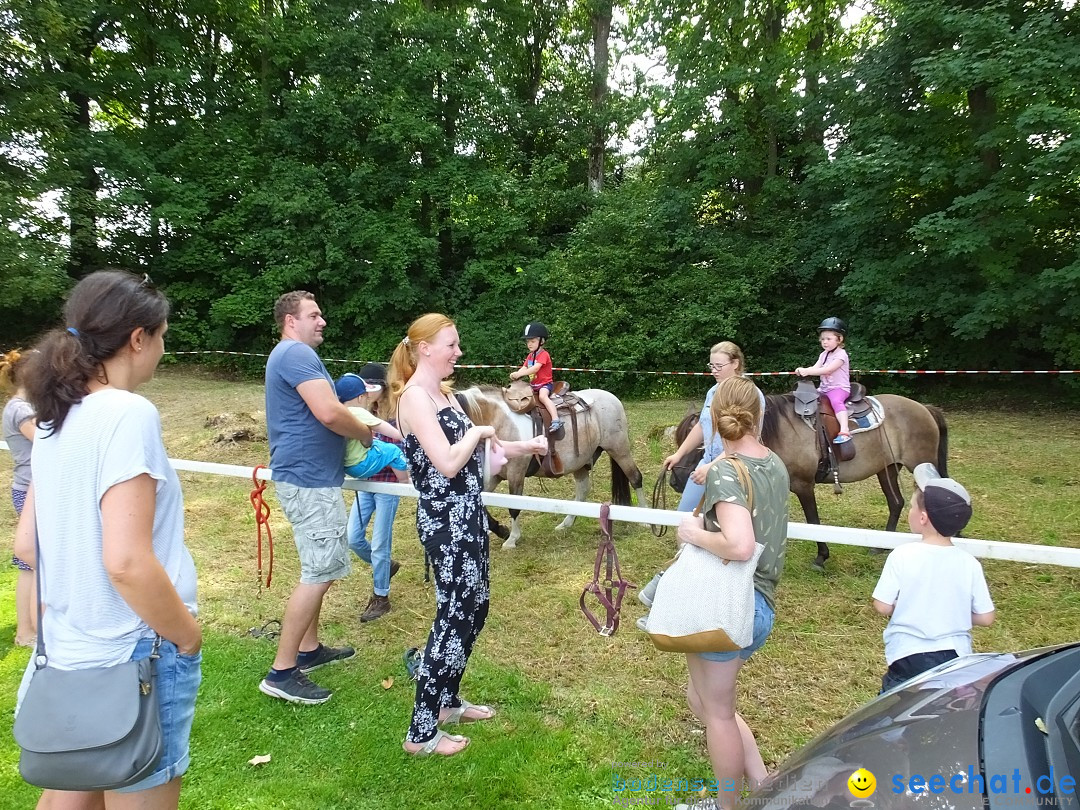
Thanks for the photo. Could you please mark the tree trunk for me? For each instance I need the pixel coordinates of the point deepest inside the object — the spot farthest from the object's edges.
(85, 253)
(983, 113)
(601, 30)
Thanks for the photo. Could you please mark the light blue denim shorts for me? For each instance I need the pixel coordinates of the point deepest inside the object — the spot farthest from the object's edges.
(380, 455)
(176, 679)
(764, 616)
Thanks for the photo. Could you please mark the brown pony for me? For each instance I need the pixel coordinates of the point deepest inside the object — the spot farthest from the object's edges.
(910, 434)
(603, 427)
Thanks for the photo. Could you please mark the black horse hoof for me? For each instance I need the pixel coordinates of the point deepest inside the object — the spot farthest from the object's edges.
(502, 532)
(819, 564)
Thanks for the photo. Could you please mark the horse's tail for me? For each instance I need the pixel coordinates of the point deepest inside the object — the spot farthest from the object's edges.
(943, 439)
(620, 485)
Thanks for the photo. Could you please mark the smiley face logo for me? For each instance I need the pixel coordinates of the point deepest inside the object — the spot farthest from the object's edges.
(862, 784)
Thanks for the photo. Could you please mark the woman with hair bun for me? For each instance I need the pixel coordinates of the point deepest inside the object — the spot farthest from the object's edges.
(445, 451)
(18, 421)
(105, 506)
(727, 529)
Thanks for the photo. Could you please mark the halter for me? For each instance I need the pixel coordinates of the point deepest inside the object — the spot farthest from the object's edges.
(606, 553)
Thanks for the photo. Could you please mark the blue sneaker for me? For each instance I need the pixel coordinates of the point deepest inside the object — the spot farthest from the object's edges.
(842, 438)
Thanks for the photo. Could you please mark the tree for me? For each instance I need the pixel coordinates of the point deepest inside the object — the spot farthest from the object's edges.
(951, 200)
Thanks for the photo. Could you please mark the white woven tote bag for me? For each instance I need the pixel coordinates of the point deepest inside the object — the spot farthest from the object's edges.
(704, 603)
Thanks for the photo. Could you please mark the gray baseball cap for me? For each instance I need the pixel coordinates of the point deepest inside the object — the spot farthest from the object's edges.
(948, 504)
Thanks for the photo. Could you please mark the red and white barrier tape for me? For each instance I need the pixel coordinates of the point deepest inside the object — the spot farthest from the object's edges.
(689, 373)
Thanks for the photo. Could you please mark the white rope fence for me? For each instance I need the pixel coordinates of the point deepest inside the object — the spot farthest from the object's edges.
(841, 535)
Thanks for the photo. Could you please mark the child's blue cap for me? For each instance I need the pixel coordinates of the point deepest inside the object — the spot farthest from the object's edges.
(350, 386)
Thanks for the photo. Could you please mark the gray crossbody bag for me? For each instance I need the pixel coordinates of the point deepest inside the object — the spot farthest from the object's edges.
(87, 729)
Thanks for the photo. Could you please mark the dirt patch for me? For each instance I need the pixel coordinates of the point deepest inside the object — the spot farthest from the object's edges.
(237, 427)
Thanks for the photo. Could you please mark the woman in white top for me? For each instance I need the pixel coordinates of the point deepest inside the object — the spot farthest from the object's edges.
(106, 508)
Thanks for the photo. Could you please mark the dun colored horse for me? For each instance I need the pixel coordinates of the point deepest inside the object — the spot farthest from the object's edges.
(602, 427)
(910, 434)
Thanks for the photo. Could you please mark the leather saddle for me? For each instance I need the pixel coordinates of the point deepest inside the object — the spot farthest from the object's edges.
(567, 404)
(817, 412)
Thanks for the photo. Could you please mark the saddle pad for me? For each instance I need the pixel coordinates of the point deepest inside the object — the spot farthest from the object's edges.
(871, 420)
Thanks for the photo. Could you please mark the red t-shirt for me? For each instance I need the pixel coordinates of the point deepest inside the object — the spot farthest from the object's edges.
(543, 376)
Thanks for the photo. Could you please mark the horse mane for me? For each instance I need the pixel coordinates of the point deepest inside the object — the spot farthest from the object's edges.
(478, 403)
(685, 426)
(770, 421)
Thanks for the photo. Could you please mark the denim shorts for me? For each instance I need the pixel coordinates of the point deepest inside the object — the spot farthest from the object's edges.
(18, 498)
(176, 678)
(318, 519)
(763, 624)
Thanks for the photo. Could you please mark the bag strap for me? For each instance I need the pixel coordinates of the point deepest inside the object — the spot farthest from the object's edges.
(745, 482)
(40, 658)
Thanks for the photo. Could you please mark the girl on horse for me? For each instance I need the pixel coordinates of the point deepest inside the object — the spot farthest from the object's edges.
(834, 368)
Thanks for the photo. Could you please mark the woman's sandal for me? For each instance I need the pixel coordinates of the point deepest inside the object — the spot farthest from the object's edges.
(431, 746)
(457, 714)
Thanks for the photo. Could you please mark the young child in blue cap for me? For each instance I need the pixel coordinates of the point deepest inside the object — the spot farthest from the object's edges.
(361, 462)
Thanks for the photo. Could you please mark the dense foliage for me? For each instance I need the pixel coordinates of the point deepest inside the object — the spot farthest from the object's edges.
(647, 178)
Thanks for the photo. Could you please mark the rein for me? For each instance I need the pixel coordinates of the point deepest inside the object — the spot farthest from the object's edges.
(659, 500)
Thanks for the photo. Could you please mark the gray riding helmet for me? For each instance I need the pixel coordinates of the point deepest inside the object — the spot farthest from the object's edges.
(833, 325)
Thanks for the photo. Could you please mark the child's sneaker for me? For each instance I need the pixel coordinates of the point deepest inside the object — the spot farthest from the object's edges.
(842, 438)
(646, 594)
(556, 426)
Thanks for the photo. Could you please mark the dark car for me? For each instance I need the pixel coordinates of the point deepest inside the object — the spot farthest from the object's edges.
(986, 730)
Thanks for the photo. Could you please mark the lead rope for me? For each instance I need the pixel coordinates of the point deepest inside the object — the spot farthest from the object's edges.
(262, 518)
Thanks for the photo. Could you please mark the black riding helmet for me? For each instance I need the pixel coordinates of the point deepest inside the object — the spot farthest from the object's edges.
(535, 329)
(833, 325)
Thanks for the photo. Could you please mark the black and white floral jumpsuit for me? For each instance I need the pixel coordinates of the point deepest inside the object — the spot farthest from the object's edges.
(453, 528)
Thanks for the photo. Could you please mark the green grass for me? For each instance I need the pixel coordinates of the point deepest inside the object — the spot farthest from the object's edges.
(570, 702)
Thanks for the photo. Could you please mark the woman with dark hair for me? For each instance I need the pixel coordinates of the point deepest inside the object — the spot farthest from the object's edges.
(106, 511)
(18, 421)
(445, 451)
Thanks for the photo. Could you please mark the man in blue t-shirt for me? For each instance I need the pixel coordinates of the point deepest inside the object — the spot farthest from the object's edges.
(307, 426)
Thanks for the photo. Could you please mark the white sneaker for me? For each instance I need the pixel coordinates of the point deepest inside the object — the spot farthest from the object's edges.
(643, 623)
(646, 594)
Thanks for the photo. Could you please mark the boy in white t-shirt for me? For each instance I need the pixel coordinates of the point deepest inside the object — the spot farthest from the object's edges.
(360, 461)
(932, 591)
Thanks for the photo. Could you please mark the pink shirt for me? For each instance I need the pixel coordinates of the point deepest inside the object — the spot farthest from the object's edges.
(841, 378)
